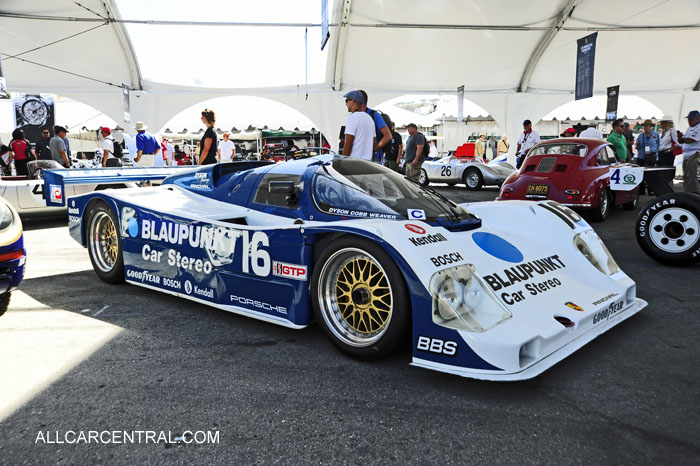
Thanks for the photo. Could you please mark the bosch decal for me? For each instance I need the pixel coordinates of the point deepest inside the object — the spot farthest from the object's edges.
(445, 259)
(281, 269)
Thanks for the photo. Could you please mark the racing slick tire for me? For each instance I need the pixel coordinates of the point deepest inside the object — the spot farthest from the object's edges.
(668, 229)
(423, 178)
(4, 302)
(601, 212)
(473, 179)
(631, 205)
(104, 243)
(359, 297)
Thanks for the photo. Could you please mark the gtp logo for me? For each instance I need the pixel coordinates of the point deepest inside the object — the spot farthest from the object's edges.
(415, 228)
(56, 193)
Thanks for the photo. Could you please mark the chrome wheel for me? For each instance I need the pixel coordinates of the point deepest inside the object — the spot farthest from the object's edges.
(674, 230)
(355, 297)
(423, 177)
(103, 241)
(472, 179)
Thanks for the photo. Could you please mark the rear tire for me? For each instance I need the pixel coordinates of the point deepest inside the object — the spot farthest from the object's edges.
(423, 178)
(359, 297)
(4, 302)
(104, 243)
(602, 211)
(670, 233)
(473, 179)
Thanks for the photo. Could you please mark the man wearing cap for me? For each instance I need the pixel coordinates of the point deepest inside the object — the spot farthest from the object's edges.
(568, 133)
(359, 128)
(171, 151)
(647, 145)
(58, 146)
(147, 146)
(108, 158)
(526, 141)
(414, 152)
(691, 153)
(226, 149)
(590, 132)
(669, 140)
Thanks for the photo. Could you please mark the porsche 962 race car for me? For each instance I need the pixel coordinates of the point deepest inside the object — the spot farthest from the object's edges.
(371, 255)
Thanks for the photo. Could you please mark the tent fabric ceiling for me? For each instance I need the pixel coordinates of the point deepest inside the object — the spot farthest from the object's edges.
(389, 48)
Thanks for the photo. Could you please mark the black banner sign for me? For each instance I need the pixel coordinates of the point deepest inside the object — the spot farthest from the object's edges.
(585, 59)
(611, 111)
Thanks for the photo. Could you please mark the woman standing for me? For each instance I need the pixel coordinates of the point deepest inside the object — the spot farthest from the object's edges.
(20, 151)
(208, 144)
(669, 140)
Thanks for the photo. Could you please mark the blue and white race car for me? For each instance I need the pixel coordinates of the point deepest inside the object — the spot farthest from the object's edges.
(483, 291)
(12, 253)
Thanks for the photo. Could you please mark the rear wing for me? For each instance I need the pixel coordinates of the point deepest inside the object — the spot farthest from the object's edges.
(55, 181)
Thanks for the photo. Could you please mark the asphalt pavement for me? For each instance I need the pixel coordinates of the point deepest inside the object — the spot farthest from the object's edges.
(79, 355)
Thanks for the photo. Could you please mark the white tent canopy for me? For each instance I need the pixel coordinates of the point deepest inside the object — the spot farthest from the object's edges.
(515, 59)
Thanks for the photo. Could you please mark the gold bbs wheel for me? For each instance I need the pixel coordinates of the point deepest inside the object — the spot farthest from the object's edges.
(104, 244)
(360, 297)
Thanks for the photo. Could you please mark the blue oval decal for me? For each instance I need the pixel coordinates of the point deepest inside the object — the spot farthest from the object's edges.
(497, 247)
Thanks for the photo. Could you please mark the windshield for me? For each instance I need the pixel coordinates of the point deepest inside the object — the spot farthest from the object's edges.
(578, 150)
(358, 188)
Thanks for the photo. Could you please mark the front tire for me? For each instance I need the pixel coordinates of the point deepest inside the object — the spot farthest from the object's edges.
(359, 297)
(105, 244)
(668, 229)
(423, 178)
(473, 179)
(601, 212)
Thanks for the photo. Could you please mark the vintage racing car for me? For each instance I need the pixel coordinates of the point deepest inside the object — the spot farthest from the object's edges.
(472, 172)
(12, 253)
(373, 256)
(575, 172)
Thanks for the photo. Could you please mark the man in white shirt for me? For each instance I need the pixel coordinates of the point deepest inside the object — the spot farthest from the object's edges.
(691, 153)
(359, 128)
(108, 148)
(527, 141)
(226, 150)
(590, 132)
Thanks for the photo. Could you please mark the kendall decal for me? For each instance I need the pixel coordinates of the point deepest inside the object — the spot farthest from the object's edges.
(423, 240)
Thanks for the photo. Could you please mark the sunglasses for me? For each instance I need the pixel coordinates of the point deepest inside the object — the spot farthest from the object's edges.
(348, 100)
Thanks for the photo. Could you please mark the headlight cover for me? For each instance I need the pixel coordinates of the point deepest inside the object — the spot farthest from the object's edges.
(462, 302)
(593, 249)
(6, 217)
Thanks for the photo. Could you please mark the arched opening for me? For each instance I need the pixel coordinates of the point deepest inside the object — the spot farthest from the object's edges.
(251, 121)
(436, 115)
(631, 108)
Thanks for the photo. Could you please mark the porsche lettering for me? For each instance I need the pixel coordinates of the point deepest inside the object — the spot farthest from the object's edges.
(258, 304)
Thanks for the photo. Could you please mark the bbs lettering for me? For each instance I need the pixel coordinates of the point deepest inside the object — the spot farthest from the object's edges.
(437, 346)
(446, 259)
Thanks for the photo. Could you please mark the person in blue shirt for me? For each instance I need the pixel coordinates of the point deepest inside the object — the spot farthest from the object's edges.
(647, 144)
(147, 146)
(383, 134)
